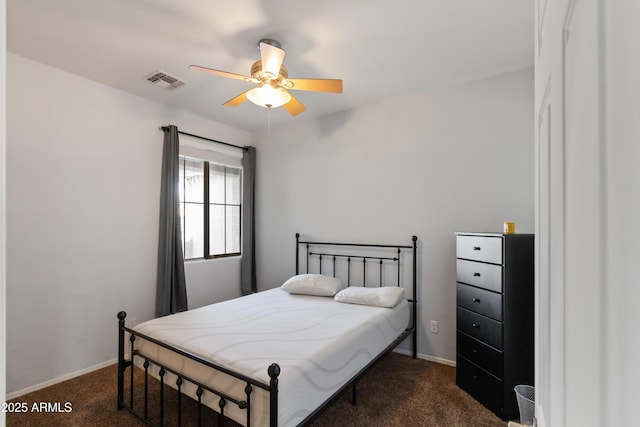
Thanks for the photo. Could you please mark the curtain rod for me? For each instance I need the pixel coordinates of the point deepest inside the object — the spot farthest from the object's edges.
(164, 128)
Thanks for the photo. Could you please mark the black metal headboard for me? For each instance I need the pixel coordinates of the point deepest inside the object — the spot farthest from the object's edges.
(333, 253)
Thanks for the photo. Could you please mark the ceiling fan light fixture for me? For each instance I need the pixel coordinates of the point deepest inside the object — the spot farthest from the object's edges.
(268, 97)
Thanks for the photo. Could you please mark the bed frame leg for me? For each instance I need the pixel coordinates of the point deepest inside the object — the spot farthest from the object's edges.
(273, 371)
(353, 394)
(121, 363)
(414, 269)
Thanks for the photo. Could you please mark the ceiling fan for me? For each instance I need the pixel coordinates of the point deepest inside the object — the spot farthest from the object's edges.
(273, 81)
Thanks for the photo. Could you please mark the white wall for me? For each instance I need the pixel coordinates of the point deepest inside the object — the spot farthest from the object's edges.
(83, 189)
(428, 164)
(3, 208)
(210, 281)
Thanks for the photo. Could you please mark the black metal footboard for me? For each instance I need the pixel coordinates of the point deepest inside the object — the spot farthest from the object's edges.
(181, 379)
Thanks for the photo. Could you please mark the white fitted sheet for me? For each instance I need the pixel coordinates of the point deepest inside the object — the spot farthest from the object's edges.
(319, 344)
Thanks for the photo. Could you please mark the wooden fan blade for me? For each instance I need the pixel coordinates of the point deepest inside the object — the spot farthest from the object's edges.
(234, 102)
(294, 107)
(220, 73)
(272, 58)
(315, 85)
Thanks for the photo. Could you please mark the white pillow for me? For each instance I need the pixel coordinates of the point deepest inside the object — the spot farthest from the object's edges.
(386, 296)
(312, 284)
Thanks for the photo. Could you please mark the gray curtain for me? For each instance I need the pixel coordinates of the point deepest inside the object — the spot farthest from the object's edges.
(248, 282)
(171, 292)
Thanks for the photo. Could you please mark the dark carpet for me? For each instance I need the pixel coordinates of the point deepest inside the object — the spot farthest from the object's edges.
(398, 391)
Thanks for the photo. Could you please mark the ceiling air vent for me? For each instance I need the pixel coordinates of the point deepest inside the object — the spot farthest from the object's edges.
(163, 80)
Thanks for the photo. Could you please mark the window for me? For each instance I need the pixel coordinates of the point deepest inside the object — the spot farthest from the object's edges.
(210, 208)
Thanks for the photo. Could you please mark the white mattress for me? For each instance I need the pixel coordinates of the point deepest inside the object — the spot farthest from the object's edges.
(319, 344)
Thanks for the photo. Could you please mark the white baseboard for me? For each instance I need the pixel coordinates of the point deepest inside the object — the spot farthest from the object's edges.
(29, 389)
(540, 422)
(426, 357)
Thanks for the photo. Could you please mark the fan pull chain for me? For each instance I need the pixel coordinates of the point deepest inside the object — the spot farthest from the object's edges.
(268, 123)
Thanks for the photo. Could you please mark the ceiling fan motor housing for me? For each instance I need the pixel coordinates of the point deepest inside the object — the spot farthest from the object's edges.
(257, 73)
(271, 42)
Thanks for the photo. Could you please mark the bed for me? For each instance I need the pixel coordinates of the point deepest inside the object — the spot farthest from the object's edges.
(279, 357)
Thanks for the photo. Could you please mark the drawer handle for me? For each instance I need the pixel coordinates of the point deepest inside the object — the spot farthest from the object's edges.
(476, 300)
(476, 248)
(475, 325)
(476, 274)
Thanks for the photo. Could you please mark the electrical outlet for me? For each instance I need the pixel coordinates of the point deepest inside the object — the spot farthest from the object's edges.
(434, 326)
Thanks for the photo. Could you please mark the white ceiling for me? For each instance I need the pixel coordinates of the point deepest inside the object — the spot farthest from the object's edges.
(379, 48)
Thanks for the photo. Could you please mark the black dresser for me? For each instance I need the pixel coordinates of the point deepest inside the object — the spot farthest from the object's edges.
(495, 317)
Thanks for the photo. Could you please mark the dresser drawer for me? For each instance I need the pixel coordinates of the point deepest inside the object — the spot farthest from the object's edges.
(484, 329)
(479, 248)
(483, 386)
(481, 275)
(481, 354)
(480, 300)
